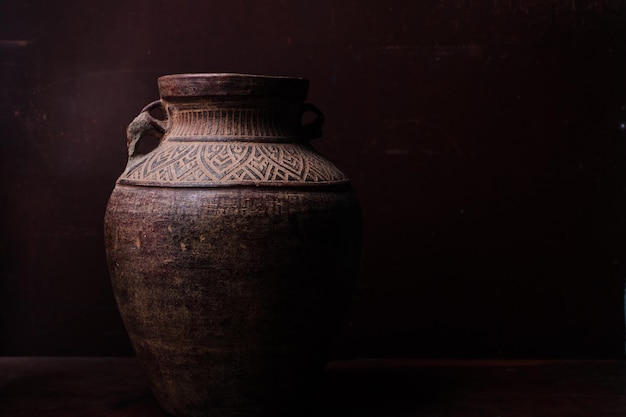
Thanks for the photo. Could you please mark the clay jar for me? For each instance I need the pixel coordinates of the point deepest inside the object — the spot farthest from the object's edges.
(232, 246)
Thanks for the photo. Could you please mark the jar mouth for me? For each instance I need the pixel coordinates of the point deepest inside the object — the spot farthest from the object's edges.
(187, 85)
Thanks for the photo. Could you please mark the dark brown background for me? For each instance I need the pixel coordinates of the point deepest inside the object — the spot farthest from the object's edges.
(485, 140)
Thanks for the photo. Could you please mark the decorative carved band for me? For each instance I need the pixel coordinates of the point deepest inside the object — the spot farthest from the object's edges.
(211, 164)
(232, 123)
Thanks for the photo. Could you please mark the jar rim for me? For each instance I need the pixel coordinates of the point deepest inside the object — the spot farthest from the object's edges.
(231, 84)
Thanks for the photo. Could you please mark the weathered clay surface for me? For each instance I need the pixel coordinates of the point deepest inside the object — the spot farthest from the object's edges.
(229, 295)
(231, 286)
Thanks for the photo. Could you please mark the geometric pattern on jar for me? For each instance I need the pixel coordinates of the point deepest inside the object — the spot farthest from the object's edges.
(223, 163)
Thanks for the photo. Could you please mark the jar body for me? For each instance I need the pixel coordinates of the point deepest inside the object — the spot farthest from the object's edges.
(231, 278)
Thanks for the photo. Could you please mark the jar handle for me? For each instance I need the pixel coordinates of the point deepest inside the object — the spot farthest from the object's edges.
(312, 130)
(142, 125)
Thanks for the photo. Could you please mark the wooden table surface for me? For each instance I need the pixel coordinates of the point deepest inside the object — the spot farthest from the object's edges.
(115, 387)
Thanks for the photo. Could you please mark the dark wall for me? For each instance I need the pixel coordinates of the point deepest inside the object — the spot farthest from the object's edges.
(485, 140)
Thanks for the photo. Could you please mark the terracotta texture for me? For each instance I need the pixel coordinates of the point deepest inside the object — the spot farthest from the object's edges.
(232, 246)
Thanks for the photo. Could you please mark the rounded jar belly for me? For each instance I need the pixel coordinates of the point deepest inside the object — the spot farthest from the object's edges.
(229, 295)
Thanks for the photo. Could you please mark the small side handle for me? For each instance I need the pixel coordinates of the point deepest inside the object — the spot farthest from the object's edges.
(313, 129)
(143, 125)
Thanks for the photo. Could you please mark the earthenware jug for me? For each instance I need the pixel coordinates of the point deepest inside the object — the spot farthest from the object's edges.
(232, 246)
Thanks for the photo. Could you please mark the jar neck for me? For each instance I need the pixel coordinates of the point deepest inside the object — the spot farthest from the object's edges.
(259, 119)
